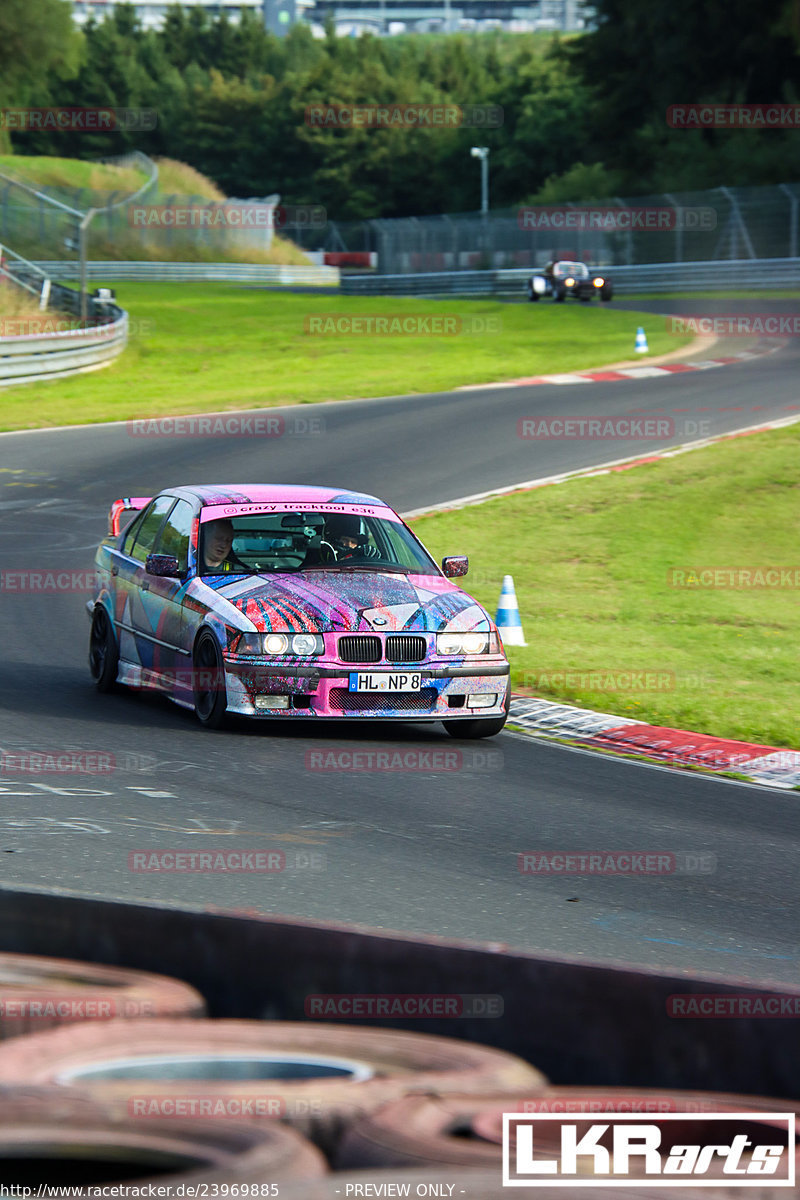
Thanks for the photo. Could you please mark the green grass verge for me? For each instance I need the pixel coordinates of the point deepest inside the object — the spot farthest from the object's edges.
(591, 562)
(215, 347)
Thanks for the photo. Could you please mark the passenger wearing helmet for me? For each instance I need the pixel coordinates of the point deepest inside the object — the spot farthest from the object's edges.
(343, 533)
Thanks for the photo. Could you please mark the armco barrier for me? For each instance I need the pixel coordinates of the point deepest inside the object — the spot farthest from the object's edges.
(225, 272)
(578, 1022)
(33, 357)
(757, 274)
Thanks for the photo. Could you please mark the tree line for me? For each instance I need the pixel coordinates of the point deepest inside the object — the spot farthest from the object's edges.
(584, 117)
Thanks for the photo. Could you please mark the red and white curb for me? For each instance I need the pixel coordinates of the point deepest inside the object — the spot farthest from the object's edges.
(613, 374)
(676, 747)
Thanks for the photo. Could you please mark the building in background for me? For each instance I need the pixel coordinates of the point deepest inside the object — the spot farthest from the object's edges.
(385, 17)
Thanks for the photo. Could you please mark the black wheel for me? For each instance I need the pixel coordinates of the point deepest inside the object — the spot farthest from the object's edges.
(103, 652)
(533, 295)
(560, 295)
(210, 697)
(480, 727)
(606, 291)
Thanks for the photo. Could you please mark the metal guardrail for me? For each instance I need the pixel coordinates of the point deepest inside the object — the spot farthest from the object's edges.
(33, 357)
(765, 274)
(226, 272)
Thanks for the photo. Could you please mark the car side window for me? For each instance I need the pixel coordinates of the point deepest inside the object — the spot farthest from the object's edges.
(175, 534)
(148, 529)
(133, 529)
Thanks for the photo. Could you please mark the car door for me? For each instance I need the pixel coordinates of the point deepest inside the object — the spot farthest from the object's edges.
(164, 597)
(139, 606)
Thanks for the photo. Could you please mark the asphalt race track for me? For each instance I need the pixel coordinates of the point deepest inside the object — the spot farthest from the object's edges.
(430, 850)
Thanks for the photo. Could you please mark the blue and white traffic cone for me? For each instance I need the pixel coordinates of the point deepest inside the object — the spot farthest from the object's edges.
(641, 346)
(508, 620)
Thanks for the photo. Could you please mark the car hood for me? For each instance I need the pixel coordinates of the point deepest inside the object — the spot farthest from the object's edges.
(323, 601)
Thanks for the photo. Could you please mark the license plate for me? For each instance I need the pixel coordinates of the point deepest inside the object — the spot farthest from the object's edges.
(385, 681)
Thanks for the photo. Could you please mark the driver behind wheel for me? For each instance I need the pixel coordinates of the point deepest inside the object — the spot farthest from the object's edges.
(343, 532)
(218, 551)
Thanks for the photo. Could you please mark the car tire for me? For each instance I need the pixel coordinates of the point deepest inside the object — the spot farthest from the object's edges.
(64, 991)
(417, 1132)
(480, 727)
(448, 1130)
(208, 682)
(533, 295)
(68, 1134)
(103, 651)
(606, 292)
(559, 295)
(359, 1069)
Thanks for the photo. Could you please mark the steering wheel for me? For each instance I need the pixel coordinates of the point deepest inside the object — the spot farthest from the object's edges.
(332, 556)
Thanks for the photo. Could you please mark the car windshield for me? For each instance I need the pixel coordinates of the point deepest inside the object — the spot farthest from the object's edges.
(577, 270)
(300, 541)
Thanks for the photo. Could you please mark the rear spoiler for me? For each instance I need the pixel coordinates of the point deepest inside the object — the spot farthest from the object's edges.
(121, 512)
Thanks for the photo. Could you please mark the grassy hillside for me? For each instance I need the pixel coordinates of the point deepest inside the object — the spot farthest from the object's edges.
(44, 172)
(177, 182)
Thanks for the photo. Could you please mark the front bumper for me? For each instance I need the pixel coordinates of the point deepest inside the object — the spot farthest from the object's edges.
(321, 690)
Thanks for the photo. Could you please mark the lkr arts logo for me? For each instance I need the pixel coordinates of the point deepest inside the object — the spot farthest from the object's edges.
(744, 1150)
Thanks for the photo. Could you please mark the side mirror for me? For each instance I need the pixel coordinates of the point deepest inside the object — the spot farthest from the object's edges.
(455, 566)
(164, 565)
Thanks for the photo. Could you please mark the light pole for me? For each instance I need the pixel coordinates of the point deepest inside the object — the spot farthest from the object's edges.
(482, 152)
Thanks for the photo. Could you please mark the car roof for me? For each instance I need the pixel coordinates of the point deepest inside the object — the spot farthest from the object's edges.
(265, 493)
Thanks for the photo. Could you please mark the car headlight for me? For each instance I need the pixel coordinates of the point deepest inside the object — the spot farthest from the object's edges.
(599, 281)
(462, 643)
(276, 644)
(569, 282)
(301, 644)
(307, 643)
